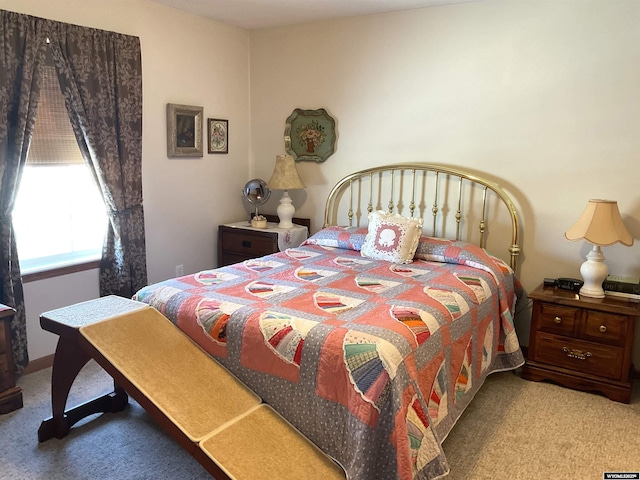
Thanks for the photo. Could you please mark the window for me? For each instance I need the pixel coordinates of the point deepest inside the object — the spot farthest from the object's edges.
(59, 215)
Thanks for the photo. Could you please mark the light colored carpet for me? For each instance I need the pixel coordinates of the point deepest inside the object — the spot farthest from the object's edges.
(125, 445)
(514, 430)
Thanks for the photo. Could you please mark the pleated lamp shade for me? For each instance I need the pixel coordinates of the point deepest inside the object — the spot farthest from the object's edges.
(285, 175)
(600, 224)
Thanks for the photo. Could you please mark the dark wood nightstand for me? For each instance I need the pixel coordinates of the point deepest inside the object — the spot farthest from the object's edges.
(238, 242)
(582, 343)
(10, 394)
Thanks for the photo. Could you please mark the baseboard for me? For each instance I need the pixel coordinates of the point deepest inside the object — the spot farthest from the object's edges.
(39, 364)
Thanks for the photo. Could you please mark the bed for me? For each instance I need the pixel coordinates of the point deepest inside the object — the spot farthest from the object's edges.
(372, 351)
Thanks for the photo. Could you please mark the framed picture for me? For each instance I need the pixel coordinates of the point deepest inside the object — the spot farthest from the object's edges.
(184, 131)
(310, 135)
(218, 135)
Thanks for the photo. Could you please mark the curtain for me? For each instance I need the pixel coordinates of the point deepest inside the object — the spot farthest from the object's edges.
(22, 49)
(100, 74)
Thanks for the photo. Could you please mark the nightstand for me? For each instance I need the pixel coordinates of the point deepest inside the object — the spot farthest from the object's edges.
(10, 394)
(238, 242)
(582, 343)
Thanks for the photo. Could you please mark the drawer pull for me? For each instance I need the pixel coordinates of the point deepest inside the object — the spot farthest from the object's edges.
(246, 244)
(603, 328)
(573, 353)
(557, 320)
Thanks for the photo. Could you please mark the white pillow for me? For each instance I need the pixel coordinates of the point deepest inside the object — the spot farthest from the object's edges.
(391, 237)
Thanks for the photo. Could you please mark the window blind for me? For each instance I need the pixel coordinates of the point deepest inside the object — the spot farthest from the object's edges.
(53, 141)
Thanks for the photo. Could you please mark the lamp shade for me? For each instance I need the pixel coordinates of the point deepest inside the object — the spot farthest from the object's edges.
(600, 224)
(285, 175)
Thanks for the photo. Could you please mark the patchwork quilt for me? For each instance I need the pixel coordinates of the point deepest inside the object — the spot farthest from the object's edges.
(372, 361)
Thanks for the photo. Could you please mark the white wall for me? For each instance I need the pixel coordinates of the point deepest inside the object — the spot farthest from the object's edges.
(542, 95)
(187, 60)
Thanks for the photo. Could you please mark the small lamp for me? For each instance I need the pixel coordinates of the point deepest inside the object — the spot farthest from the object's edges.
(601, 225)
(285, 177)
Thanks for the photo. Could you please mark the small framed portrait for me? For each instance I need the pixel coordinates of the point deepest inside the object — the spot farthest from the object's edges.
(218, 135)
(184, 131)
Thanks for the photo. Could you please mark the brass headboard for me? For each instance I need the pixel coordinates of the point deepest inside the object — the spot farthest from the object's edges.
(453, 203)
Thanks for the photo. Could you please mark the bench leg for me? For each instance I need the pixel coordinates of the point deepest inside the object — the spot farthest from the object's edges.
(69, 359)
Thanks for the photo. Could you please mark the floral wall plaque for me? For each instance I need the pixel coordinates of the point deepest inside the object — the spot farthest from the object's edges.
(310, 135)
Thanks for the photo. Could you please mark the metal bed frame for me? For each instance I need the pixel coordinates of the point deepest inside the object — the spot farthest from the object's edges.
(409, 189)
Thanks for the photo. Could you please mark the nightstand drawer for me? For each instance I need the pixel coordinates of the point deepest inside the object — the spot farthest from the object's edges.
(557, 319)
(4, 341)
(227, 258)
(586, 357)
(10, 394)
(244, 243)
(607, 328)
(6, 375)
(6, 371)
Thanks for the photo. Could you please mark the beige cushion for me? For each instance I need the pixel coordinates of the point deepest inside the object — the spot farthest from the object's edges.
(262, 445)
(190, 388)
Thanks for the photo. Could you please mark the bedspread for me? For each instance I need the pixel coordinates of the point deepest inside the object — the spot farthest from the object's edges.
(373, 361)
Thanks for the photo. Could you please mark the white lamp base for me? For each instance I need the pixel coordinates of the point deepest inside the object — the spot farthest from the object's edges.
(594, 271)
(286, 210)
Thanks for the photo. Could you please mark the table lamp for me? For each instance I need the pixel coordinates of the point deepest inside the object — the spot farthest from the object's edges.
(601, 225)
(285, 177)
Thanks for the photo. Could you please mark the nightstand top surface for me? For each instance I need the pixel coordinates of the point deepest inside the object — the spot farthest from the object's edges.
(567, 297)
(6, 311)
(271, 227)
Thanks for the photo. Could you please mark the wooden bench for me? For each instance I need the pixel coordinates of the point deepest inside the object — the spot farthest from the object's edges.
(207, 410)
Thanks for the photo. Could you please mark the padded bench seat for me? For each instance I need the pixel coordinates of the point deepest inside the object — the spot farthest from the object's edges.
(213, 415)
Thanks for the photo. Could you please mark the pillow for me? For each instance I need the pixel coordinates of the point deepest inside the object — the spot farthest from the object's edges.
(391, 237)
(458, 252)
(433, 248)
(348, 238)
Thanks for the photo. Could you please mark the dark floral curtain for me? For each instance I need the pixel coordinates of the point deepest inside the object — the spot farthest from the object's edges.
(101, 78)
(100, 74)
(22, 49)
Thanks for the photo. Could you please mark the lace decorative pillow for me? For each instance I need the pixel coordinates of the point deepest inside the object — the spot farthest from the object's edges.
(391, 237)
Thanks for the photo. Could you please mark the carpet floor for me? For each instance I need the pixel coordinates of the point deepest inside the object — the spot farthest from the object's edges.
(514, 429)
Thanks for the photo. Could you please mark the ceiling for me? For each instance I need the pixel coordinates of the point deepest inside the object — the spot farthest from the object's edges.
(254, 14)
